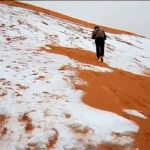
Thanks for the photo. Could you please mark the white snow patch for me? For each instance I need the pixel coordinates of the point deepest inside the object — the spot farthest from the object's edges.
(135, 113)
(127, 52)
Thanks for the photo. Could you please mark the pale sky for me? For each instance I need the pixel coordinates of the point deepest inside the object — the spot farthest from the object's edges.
(131, 16)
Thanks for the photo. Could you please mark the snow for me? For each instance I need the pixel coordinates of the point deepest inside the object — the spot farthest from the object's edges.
(40, 85)
(126, 52)
(134, 58)
(135, 113)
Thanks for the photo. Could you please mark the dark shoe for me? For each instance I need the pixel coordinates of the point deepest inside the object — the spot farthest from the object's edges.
(101, 59)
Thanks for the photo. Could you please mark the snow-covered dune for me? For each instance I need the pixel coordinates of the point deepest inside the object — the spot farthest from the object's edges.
(39, 107)
(128, 52)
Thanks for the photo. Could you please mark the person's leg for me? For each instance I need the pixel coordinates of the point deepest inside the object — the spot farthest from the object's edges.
(102, 49)
(97, 48)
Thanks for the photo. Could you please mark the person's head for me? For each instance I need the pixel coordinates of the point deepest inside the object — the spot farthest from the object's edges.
(96, 27)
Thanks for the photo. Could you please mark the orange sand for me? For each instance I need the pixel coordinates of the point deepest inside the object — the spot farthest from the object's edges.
(114, 91)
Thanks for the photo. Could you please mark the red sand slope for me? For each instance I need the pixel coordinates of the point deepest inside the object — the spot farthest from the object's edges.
(114, 91)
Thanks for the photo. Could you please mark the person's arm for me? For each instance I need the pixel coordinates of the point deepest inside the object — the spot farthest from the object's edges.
(93, 34)
(105, 37)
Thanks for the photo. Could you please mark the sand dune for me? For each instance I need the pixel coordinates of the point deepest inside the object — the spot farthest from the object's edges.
(54, 93)
(114, 92)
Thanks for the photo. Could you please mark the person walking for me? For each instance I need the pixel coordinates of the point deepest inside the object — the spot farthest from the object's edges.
(99, 35)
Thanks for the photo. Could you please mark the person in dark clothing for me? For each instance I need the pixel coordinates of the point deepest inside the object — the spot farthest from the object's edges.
(100, 37)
